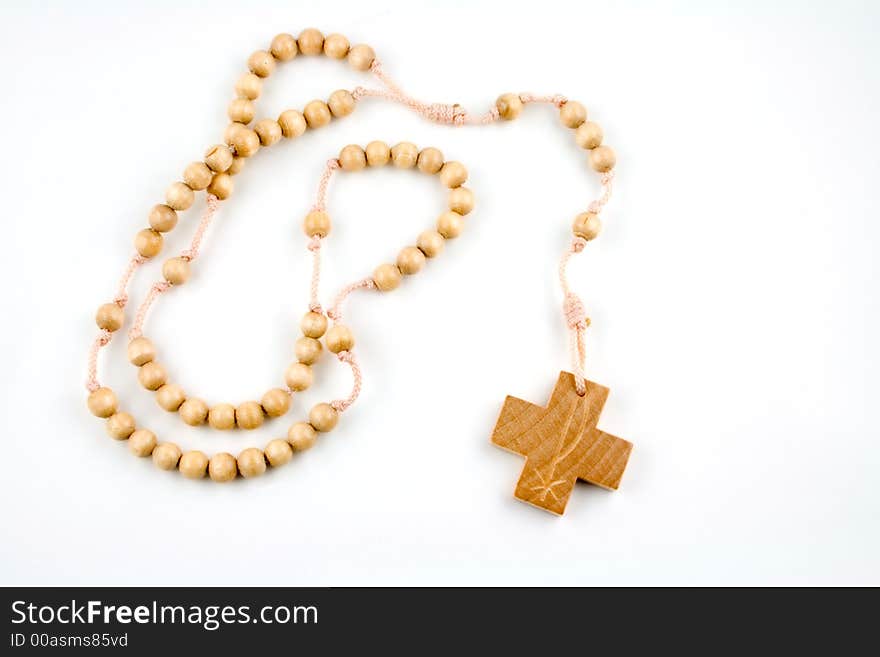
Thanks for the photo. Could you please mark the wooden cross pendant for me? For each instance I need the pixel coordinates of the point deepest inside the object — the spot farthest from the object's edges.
(561, 444)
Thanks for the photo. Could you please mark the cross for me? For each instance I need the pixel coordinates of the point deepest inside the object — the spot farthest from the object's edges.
(561, 444)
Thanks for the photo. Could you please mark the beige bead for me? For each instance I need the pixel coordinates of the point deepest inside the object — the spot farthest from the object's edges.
(110, 317)
(102, 402)
(317, 222)
(341, 103)
(410, 260)
(588, 135)
(572, 114)
(141, 351)
(268, 131)
(166, 456)
(245, 141)
(317, 114)
(430, 160)
(197, 175)
(162, 218)
(360, 57)
(261, 63)
(378, 154)
(453, 174)
(218, 158)
(249, 415)
(241, 110)
(404, 155)
(193, 411)
(170, 397)
(603, 159)
(339, 338)
(313, 325)
(301, 436)
(142, 442)
(352, 158)
(251, 462)
(450, 224)
(298, 376)
(509, 106)
(307, 350)
(292, 123)
(310, 41)
(222, 417)
(148, 242)
(386, 277)
(278, 452)
(236, 166)
(336, 46)
(222, 184)
(193, 465)
(586, 225)
(152, 375)
(276, 402)
(431, 243)
(179, 196)
(176, 270)
(323, 417)
(222, 467)
(120, 426)
(461, 200)
(283, 47)
(249, 86)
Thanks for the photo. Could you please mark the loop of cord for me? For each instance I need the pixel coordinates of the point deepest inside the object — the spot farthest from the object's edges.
(575, 317)
(342, 404)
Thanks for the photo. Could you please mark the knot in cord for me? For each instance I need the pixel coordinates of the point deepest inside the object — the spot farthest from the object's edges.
(575, 315)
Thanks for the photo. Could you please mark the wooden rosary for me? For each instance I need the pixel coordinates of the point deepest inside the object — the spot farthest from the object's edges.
(561, 441)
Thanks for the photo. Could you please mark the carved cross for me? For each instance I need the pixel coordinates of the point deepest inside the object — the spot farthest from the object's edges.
(561, 444)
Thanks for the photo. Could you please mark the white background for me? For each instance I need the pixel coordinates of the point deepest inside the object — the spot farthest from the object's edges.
(733, 294)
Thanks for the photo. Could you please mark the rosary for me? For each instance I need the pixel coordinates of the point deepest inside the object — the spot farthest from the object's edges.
(561, 441)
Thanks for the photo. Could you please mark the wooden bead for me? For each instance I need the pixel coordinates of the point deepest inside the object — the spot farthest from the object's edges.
(268, 131)
(307, 350)
(236, 166)
(603, 159)
(193, 411)
(453, 174)
(310, 41)
(341, 103)
(120, 426)
(461, 200)
(261, 63)
(301, 436)
(162, 218)
(404, 155)
(386, 277)
(323, 417)
(251, 462)
(352, 158)
(241, 110)
(110, 317)
(218, 158)
(378, 153)
(588, 135)
(148, 242)
(283, 47)
(430, 160)
(298, 377)
(292, 123)
(431, 243)
(317, 114)
(166, 456)
(278, 452)
(193, 465)
(141, 351)
(176, 270)
(572, 114)
(339, 338)
(152, 375)
(245, 141)
(170, 397)
(197, 175)
(313, 325)
(249, 415)
(222, 467)
(142, 442)
(317, 223)
(222, 184)
(179, 196)
(102, 402)
(410, 260)
(509, 106)
(222, 417)
(336, 46)
(276, 402)
(586, 225)
(249, 86)
(450, 224)
(360, 57)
